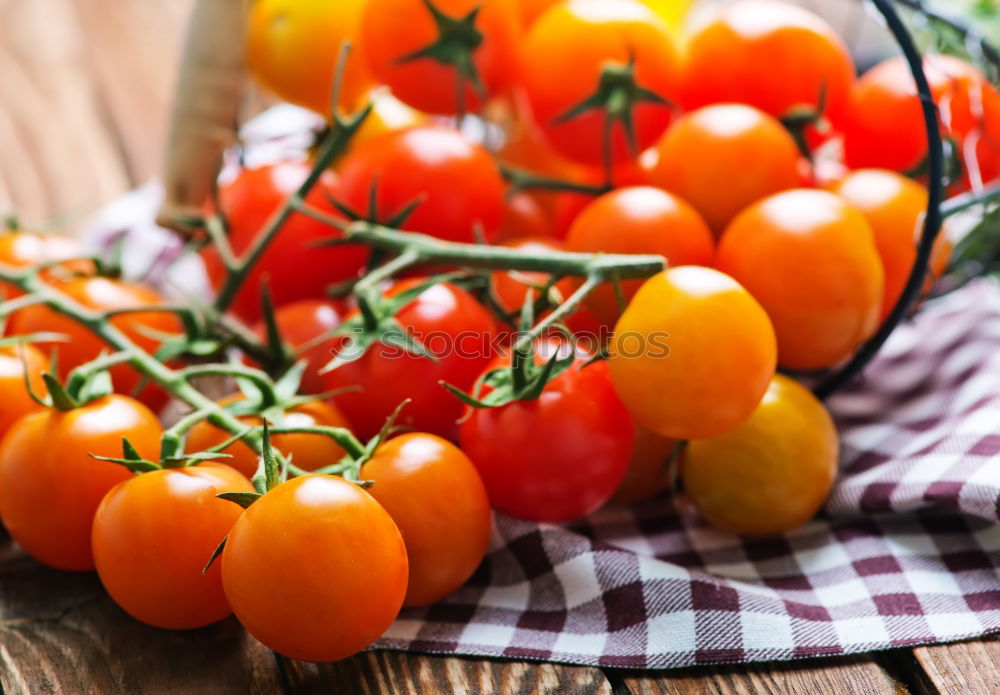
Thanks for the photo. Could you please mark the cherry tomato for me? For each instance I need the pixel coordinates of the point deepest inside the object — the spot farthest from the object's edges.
(22, 249)
(648, 471)
(315, 569)
(293, 47)
(810, 259)
(292, 266)
(388, 115)
(456, 181)
(772, 55)
(104, 294)
(561, 62)
(886, 126)
(894, 207)
(152, 536)
(308, 451)
(50, 487)
(635, 220)
(393, 30)
(693, 353)
(15, 401)
(300, 324)
(437, 499)
(532, 9)
(739, 145)
(772, 473)
(523, 216)
(453, 327)
(556, 458)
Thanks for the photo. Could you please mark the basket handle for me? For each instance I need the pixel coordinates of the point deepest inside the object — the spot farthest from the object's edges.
(206, 105)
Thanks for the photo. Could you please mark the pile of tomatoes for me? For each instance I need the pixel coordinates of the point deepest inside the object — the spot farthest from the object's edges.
(782, 189)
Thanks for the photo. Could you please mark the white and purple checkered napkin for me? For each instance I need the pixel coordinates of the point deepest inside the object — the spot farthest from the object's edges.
(907, 550)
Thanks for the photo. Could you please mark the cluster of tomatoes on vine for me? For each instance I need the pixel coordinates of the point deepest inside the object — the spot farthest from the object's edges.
(781, 198)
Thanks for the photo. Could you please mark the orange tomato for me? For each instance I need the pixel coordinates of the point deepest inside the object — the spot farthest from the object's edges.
(15, 401)
(648, 472)
(810, 259)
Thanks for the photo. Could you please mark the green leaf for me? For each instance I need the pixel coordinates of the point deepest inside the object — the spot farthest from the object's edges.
(218, 550)
(244, 499)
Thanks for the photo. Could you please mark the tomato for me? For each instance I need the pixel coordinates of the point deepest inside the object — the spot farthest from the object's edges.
(307, 451)
(693, 353)
(772, 473)
(532, 9)
(524, 217)
(392, 30)
(635, 220)
(648, 471)
(556, 458)
(388, 114)
(561, 62)
(894, 207)
(292, 266)
(104, 294)
(771, 55)
(886, 125)
(456, 181)
(22, 249)
(50, 487)
(739, 145)
(455, 328)
(15, 401)
(293, 47)
(300, 324)
(437, 499)
(315, 569)
(511, 288)
(810, 259)
(152, 536)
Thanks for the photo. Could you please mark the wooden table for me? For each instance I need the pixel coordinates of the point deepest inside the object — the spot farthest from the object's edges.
(85, 87)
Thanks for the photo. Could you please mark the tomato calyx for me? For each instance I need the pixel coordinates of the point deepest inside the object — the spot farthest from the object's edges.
(801, 119)
(523, 380)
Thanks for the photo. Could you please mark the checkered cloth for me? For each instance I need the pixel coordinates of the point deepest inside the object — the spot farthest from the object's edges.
(906, 551)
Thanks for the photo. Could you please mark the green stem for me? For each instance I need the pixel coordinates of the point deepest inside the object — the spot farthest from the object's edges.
(963, 202)
(342, 437)
(366, 291)
(522, 180)
(259, 378)
(523, 343)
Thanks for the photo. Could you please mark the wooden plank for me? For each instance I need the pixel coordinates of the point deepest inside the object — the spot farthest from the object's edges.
(857, 676)
(965, 668)
(399, 673)
(60, 633)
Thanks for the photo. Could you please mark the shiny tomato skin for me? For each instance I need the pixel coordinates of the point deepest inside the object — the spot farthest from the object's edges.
(315, 569)
(739, 145)
(456, 328)
(556, 458)
(693, 353)
(293, 47)
(104, 294)
(50, 487)
(457, 180)
(15, 400)
(771, 55)
(771, 474)
(292, 266)
(639, 220)
(810, 259)
(560, 64)
(524, 216)
(300, 324)
(308, 451)
(437, 499)
(153, 535)
(394, 29)
(894, 207)
(21, 249)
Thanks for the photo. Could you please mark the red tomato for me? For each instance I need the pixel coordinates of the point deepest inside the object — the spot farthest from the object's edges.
(154, 533)
(307, 451)
(50, 487)
(392, 30)
(315, 569)
(300, 324)
(437, 499)
(771, 55)
(104, 294)
(292, 266)
(561, 61)
(15, 400)
(637, 220)
(556, 458)
(456, 180)
(741, 146)
(524, 217)
(810, 259)
(455, 328)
